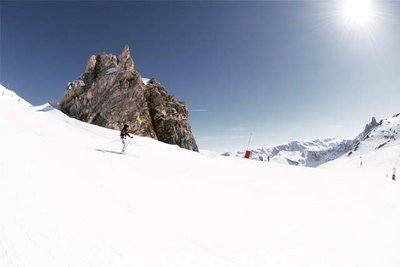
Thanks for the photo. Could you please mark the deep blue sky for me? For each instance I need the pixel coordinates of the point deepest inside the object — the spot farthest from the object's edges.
(288, 70)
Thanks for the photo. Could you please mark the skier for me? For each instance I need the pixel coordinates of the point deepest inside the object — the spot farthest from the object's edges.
(138, 120)
(124, 133)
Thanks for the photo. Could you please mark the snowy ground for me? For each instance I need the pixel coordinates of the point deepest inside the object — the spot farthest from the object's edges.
(67, 198)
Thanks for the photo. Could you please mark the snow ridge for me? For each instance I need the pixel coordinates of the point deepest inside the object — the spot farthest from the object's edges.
(9, 97)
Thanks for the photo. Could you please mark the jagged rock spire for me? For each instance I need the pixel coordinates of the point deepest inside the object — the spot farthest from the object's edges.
(126, 59)
(91, 64)
(111, 93)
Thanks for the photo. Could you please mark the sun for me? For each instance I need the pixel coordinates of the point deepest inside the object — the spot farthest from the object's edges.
(358, 12)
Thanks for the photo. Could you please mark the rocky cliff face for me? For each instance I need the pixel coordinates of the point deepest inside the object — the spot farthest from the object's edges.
(111, 93)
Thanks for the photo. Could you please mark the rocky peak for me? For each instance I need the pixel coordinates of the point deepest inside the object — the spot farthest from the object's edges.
(169, 116)
(368, 128)
(126, 59)
(91, 64)
(111, 93)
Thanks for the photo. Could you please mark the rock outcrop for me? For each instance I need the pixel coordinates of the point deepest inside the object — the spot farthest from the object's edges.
(111, 93)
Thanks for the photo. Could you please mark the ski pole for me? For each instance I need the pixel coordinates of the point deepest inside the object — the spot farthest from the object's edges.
(248, 144)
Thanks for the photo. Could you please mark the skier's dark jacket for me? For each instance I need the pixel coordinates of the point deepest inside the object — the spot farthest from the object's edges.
(124, 133)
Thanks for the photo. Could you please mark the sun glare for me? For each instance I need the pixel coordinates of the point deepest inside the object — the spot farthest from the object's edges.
(358, 11)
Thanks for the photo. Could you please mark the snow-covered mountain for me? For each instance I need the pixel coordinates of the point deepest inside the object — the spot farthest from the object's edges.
(308, 153)
(68, 198)
(301, 153)
(375, 146)
(384, 134)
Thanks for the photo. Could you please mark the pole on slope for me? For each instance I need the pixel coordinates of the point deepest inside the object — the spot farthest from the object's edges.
(248, 152)
(248, 144)
(394, 174)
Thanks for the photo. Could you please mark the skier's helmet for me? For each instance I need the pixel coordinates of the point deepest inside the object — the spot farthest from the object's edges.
(126, 126)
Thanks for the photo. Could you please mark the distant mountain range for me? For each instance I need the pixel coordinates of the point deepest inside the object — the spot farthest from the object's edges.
(309, 153)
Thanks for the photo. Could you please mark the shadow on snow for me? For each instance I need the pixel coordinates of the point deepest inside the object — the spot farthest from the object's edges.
(109, 151)
(115, 152)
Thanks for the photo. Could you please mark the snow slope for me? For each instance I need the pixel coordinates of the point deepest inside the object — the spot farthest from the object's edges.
(301, 153)
(67, 198)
